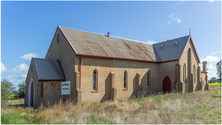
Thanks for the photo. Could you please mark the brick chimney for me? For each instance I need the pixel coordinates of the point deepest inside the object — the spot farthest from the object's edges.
(204, 66)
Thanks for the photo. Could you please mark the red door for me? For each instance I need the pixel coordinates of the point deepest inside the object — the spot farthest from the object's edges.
(32, 94)
(166, 85)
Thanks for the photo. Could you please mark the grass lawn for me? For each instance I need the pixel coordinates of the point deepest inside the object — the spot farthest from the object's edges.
(17, 102)
(192, 108)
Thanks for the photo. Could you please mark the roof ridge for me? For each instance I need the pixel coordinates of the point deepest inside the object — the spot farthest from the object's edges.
(44, 59)
(173, 39)
(105, 35)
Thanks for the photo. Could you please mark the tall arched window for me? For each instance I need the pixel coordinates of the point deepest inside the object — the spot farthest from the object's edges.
(125, 80)
(184, 72)
(148, 79)
(94, 80)
(194, 74)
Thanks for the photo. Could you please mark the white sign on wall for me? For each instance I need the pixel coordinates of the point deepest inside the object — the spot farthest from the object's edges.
(65, 88)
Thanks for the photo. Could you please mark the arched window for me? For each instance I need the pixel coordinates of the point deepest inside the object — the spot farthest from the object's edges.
(184, 72)
(194, 74)
(94, 80)
(148, 79)
(125, 80)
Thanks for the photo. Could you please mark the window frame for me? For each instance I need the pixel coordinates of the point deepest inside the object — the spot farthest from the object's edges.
(125, 81)
(194, 72)
(148, 79)
(96, 80)
(184, 73)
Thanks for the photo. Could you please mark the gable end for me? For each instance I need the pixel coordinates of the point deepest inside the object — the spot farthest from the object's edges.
(59, 29)
(190, 38)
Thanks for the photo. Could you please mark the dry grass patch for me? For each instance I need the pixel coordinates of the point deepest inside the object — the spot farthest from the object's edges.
(174, 108)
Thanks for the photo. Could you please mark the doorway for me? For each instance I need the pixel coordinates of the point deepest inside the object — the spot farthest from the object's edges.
(166, 85)
(31, 94)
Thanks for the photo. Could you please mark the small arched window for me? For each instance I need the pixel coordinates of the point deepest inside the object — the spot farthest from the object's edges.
(184, 72)
(125, 80)
(148, 79)
(194, 74)
(57, 38)
(94, 80)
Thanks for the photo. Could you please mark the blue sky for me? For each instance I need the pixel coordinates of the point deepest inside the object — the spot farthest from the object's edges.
(27, 28)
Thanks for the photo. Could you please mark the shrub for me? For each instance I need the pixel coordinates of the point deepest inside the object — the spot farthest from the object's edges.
(6, 89)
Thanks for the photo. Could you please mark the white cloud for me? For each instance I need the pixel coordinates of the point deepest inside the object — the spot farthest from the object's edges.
(211, 64)
(174, 17)
(179, 20)
(29, 56)
(212, 73)
(211, 69)
(18, 73)
(171, 15)
(23, 76)
(151, 42)
(215, 52)
(22, 68)
(211, 1)
(3, 68)
(10, 77)
(210, 59)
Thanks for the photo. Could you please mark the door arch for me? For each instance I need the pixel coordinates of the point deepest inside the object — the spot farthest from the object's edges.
(166, 84)
(31, 94)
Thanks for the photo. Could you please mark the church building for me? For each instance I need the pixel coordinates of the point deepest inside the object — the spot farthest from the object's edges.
(102, 67)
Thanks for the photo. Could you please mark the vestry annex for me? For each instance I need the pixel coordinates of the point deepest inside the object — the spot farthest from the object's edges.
(102, 67)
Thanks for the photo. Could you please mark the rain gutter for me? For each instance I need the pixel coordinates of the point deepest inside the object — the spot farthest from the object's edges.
(126, 58)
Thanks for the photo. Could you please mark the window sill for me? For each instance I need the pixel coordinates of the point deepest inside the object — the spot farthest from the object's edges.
(148, 87)
(94, 91)
(125, 89)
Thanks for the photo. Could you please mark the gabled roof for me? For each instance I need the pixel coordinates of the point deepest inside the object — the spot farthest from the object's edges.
(97, 45)
(171, 49)
(47, 69)
(86, 43)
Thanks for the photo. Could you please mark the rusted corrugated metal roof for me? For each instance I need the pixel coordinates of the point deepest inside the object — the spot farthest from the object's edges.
(100, 45)
(97, 45)
(48, 69)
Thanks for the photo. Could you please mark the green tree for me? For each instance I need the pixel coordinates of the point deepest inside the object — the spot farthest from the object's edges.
(219, 69)
(21, 90)
(6, 88)
(213, 80)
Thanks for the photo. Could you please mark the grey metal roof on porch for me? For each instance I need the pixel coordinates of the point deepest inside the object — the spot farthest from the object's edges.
(48, 69)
